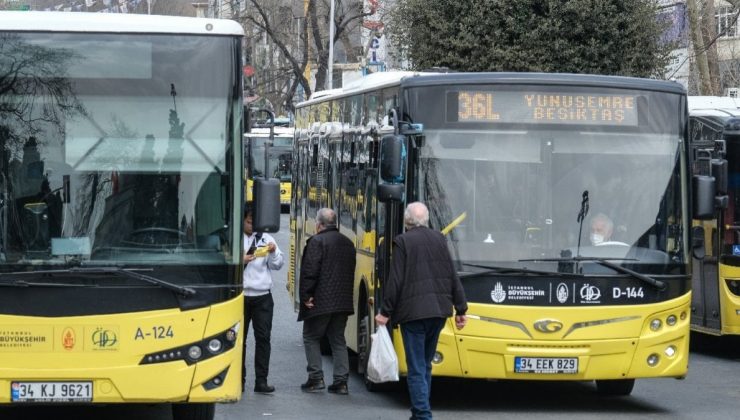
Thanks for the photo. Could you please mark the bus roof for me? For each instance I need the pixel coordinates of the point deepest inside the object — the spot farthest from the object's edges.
(410, 79)
(18, 21)
(719, 106)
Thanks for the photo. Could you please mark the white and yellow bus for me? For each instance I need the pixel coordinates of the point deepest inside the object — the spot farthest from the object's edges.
(279, 160)
(714, 127)
(513, 167)
(121, 211)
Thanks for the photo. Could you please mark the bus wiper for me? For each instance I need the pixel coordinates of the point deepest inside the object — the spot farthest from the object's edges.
(606, 262)
(492, 269)
(128, 272)
(23, 283)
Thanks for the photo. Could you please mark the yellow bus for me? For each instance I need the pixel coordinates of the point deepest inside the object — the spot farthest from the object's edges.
(121, 210)
(714, 126)
(514, 168)
(279, 158)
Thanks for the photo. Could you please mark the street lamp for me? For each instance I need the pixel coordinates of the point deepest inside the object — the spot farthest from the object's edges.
(331, 46)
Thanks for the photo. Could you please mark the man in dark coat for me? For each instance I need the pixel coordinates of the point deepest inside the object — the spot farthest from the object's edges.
(326, 283)
(419, 295)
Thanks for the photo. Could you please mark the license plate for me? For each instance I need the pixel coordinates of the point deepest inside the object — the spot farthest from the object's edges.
(545, 364)
(51, 391)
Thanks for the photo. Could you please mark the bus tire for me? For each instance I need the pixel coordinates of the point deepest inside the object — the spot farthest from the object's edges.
(193, 411)
(615, 387)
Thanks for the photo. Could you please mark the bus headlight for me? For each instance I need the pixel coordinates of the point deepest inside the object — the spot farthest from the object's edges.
(197, 351)
(437, 358)
(655, 324)
(671, 320)
(214, 346)
(653, 360)
(194, 352)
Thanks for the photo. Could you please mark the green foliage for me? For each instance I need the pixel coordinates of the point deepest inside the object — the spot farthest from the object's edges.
(618, 37)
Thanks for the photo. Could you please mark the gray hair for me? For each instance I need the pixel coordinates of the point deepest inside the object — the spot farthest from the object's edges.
(326, 217)
(416, 215)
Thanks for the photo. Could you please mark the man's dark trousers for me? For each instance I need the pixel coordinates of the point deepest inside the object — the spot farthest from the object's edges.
(420, 342)
(258, 310)
(331, 325)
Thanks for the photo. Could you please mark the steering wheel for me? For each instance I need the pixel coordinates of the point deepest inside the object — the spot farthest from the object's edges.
(155, 237)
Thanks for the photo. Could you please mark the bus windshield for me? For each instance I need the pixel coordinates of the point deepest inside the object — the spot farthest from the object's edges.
(110, 160)
(280, 158)
(513, 190)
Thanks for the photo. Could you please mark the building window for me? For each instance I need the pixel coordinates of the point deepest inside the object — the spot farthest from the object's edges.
(726, 23)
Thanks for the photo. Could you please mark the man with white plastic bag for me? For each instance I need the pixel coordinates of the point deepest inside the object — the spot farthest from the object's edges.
(382, 364)
(419, 295)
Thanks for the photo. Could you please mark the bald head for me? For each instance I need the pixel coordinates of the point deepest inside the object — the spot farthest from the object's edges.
(416, 214)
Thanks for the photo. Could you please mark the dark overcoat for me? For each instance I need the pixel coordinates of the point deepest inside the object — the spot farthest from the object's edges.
(423, 282)
(327, 274)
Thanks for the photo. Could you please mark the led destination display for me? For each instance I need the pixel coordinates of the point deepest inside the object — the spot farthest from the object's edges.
(541, 108)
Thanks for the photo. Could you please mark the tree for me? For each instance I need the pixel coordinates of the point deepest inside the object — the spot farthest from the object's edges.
(619, 37)
(298, 39)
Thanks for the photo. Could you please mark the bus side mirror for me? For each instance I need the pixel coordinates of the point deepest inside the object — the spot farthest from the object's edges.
(703, 193)
(390, 192)
(392, 158)
(266, 193)
(697, 242)
(719, 172)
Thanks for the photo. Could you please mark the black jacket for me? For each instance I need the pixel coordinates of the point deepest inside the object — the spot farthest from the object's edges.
(423, 282)
(327, 274)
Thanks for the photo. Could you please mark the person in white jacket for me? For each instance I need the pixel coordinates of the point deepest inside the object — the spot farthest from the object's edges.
(261, 256)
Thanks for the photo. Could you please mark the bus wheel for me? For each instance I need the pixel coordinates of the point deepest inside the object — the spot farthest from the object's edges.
(193, 411)
(615, 387)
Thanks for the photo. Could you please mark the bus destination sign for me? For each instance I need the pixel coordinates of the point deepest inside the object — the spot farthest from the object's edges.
(541, 108)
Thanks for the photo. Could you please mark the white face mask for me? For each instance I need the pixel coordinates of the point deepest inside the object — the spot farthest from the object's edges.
(597, 238)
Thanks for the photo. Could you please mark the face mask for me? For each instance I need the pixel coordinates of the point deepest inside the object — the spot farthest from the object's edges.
(597, 238)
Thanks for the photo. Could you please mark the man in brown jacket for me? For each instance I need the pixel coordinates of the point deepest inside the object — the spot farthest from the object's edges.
(326, 283)
(422, 288)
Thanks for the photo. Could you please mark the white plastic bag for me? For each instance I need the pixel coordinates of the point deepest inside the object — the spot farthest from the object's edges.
(382, 365)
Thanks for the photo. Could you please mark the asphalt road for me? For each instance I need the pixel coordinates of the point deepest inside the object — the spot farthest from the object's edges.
(711, 390)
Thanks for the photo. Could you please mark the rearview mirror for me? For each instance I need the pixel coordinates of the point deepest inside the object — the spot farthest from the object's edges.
(266, 193)
(703, 192)
(392, 158)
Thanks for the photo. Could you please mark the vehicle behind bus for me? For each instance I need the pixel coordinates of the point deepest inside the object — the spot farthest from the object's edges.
(714, 128)
(279, 159)
(513, 168)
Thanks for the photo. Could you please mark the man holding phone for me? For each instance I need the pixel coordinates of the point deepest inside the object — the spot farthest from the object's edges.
(261, 256)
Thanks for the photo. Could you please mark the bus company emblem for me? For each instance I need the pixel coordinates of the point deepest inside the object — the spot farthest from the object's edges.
(498, 294)
(68, 338)
(590, 293)
(562, 293)
(104, 339)
(548, 325)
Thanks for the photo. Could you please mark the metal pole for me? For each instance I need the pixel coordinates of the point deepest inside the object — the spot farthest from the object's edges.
(329, 80)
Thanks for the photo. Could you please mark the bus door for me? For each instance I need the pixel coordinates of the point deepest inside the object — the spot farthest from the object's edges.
(705, 272)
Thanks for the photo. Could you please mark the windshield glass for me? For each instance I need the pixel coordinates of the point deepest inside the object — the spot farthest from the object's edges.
(280, 158)
(111, 153)
(514, 190)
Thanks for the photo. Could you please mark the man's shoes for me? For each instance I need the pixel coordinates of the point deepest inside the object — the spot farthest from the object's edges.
(313, 385)
(338, 388)
(263, 388)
